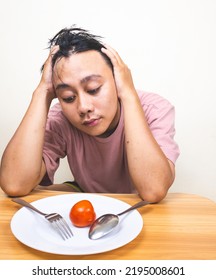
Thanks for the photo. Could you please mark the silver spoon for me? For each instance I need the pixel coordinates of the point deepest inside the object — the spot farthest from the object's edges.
(106, 223)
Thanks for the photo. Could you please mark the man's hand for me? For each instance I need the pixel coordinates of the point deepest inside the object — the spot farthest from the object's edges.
(46, 82)
(122, 74)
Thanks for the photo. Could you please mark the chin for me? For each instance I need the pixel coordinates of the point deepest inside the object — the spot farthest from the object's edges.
(94, 132)
(98, 133)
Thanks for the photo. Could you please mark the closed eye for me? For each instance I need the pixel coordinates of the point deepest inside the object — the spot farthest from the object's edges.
(94, 91)
(69, 99)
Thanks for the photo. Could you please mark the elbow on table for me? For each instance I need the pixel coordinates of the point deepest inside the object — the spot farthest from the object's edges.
(154, 194)
(153, 197)
(16, 189)
(156, 190)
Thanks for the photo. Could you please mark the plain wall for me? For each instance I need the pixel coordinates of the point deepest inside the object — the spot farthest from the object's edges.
(169, 46)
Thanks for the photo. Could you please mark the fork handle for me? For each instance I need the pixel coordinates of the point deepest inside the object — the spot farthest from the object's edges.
(26, 204)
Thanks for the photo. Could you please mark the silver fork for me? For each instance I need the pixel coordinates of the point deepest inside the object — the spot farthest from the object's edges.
(54, 218)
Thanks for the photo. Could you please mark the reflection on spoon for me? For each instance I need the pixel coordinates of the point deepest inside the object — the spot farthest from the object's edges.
(106, 223)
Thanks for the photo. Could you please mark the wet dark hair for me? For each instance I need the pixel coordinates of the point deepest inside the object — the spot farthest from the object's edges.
(76, 40)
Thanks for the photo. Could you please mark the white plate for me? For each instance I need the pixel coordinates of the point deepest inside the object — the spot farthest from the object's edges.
(34, 231)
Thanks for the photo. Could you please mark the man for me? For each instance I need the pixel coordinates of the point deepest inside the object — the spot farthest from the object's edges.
(116, 139)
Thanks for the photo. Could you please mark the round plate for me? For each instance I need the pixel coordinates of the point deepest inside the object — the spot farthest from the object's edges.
(34, 231)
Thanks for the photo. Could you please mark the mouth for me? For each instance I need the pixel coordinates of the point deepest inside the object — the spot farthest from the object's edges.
(91, 122)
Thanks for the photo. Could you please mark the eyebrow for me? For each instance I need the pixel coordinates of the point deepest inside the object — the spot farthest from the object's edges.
(89, 78)
(83, 81)
(62, 86)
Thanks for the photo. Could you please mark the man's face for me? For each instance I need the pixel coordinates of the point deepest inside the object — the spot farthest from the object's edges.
(86, 90)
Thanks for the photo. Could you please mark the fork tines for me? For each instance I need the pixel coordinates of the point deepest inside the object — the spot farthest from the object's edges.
(60, 224)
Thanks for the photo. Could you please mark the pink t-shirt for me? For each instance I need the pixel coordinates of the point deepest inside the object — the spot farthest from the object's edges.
(100, 164)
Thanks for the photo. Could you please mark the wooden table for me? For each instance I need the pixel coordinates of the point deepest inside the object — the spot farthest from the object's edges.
(181, 227)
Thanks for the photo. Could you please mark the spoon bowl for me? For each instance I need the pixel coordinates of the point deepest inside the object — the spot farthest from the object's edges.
(106, 223)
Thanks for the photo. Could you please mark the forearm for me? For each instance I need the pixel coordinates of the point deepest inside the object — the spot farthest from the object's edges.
(22, 166)
(151, 172)
(149, 168)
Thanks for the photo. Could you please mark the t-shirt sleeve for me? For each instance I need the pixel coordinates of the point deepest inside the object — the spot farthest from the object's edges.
(54, 149)
(160, 115)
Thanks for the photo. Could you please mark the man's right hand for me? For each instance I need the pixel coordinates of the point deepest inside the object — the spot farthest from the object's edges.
(46, 82)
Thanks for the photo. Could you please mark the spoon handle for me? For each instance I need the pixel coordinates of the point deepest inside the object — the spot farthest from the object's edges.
(135, 206)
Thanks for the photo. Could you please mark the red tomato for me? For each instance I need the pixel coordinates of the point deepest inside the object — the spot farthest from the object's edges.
(82, 214)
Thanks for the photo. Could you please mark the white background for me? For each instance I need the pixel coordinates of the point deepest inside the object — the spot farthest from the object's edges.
(169, 45)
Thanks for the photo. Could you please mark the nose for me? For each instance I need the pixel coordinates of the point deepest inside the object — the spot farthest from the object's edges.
(85, 104)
